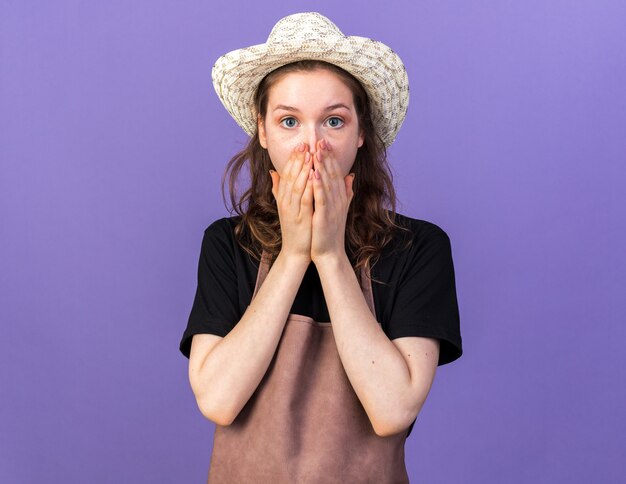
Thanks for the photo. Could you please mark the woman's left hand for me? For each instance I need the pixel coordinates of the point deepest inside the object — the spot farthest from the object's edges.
(332, 194)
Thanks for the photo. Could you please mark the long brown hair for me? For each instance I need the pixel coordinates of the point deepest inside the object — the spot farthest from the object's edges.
(369, 225)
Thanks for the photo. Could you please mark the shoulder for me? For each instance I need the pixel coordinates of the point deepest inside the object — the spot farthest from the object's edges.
(219, 238)
(221, 230)
(222, 226)
(421, 232)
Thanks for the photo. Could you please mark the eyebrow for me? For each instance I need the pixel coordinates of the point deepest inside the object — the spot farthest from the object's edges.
(329, 108)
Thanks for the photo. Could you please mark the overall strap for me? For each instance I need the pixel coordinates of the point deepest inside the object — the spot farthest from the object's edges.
(264, 268)
(366, 282)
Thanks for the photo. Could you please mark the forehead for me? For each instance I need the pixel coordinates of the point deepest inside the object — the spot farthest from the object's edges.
(317, 85)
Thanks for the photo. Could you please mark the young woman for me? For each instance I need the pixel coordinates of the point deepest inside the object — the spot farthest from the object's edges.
(321, 314)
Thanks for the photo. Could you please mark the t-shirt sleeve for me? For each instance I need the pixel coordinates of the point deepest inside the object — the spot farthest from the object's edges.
(426, 303)
(215, 306)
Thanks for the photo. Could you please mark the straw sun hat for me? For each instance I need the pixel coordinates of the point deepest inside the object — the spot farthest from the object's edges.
(237, 74)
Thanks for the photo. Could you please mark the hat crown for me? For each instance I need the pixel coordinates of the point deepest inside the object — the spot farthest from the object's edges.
(301, 27)
(237, 74)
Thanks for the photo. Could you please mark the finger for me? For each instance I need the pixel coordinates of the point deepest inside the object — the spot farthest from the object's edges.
(325, 181)
(301, 181)
(306, 203)
(284, 177)
(328, 162)
(319, 191)
(328, 166)
(299, 155)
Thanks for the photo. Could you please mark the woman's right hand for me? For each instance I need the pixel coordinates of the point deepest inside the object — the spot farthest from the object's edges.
(293, 192)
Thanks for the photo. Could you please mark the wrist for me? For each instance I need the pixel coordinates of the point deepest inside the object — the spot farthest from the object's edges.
(293, 261)
(330, 261)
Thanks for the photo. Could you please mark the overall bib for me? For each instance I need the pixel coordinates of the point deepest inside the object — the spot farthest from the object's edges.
(304, 423)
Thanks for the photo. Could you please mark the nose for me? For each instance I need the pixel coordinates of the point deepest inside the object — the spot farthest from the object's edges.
(312, 135)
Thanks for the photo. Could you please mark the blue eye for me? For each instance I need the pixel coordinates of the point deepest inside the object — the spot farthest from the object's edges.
(290, 122)
(334, 125)
(288, 119)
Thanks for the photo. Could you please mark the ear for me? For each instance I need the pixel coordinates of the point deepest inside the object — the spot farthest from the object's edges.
(261, 129)
(361, 138)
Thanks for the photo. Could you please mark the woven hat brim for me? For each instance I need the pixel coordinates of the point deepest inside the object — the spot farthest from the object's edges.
(237, 74)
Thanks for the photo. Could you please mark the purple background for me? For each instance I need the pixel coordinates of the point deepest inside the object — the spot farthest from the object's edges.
(112, 147)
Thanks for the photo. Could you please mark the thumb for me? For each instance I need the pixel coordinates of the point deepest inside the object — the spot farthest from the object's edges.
(350, 185)
(274, 182)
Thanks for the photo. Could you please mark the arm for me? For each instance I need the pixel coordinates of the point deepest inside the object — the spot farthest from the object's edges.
(391, 378)
(225, 372)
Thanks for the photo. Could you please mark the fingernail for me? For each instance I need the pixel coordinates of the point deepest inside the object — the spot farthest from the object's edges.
(307, 157)
(271, 171)
(301, 147)
(317, 174)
